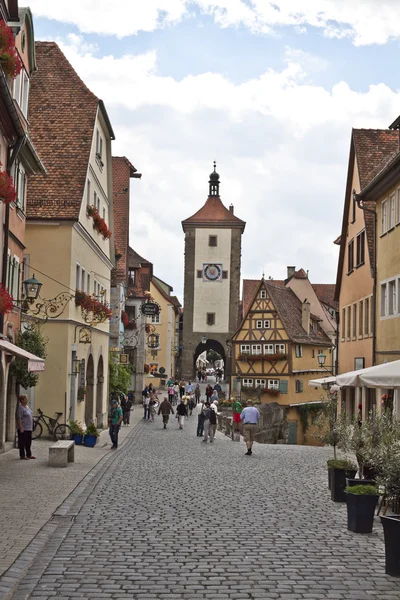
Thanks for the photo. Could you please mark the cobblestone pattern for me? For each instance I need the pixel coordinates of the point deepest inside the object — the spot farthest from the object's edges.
(176, 519)
(30, 491)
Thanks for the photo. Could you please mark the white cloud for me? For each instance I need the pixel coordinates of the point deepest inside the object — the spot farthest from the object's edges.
(281, 143)
(363, 21)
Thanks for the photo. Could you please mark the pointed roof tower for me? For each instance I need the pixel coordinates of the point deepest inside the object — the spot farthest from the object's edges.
(214, 213)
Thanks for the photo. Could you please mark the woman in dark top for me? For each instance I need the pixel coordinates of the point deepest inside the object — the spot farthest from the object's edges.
(25, 427)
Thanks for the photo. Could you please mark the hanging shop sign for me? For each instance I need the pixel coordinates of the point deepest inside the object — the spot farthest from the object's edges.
(123, 359)
(153, 340)
(82, 373)
(85, 335)
(150, 309)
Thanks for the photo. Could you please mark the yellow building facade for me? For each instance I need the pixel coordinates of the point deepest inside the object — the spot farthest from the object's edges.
(162, 331)
(274, 354)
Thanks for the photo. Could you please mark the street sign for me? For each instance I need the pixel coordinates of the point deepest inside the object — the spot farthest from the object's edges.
(150, 309)
(115, 349)
(161, 370)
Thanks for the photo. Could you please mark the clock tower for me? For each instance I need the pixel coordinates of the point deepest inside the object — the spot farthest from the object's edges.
(213, 242)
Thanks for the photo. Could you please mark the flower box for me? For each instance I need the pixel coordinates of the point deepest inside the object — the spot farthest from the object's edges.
(124, 318)
(9, 57)
(271, 391)
(90, 304)
(99, 223)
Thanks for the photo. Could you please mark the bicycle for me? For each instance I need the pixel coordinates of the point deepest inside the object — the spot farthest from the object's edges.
(60, 431)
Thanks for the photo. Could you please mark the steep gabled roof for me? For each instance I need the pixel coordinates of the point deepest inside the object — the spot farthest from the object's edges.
(213, 214)
(325, 293)
(250, 287)
(289, 309)
(135, 261)
(62, 115)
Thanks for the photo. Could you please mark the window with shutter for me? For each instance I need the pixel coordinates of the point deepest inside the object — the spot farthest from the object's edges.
(283, 386)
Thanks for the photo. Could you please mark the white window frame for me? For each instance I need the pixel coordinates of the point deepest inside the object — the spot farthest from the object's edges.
(247, 383)
(259, 324)
(392, 209)
(263, 294)
(267, 324)
(280, 348)
(389, 297)
(273, 384)
(155, 319)
(384, 215)
(391, 293)
(256, 347)
(299, 386)
(268, 348)
(260, 382)
(383, 300)
(245, 348)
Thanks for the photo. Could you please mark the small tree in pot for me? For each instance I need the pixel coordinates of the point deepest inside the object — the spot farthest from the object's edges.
(361, 502)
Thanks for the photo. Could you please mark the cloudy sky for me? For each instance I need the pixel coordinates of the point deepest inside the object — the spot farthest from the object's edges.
(270, 90)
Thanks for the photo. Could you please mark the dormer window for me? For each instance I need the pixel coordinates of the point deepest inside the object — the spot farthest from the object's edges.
(263, 294)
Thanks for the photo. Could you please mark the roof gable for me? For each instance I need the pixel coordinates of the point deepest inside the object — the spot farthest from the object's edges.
(62, 113)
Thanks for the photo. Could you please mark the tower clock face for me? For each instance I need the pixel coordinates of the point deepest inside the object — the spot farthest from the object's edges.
(212, 272)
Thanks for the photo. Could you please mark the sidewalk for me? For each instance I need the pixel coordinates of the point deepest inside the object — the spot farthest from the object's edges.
(30, 491)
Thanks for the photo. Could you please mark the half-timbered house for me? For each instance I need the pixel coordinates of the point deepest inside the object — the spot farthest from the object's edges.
(274, 352)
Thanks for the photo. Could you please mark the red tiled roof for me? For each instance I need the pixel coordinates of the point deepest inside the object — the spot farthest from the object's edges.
(300, 274)
(325, 293)
(135, 260)
(374, 149)
(62, 113)
(214, 213)
(250, 287)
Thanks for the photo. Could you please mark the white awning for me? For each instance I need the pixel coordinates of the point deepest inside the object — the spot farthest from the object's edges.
(322, 381)
(380, 376)
(35, 363)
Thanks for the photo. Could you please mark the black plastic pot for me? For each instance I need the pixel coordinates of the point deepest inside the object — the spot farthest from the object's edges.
(353, 482)
(391, 530)
(329, 478)
(338, 483)
(360, 512)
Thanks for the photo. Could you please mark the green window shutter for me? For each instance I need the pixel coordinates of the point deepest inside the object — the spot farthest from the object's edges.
(283, 386)
(301, 386)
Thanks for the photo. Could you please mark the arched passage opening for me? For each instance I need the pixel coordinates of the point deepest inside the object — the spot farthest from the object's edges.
(209, 344)
(89, 416)
(99, 393)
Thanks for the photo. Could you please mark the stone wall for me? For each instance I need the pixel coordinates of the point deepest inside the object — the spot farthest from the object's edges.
(272, 426)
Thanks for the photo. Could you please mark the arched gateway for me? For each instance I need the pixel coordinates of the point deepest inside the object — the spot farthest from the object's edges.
(213, 244)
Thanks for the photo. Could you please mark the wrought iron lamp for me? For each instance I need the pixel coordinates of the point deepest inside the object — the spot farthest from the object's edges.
(32, 289)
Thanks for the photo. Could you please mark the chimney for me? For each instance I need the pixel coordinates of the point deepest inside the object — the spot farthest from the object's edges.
(231, 208)
(290, 272)
(305, 316)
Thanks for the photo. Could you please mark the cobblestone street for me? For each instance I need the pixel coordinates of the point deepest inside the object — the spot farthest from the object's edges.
(168, 517)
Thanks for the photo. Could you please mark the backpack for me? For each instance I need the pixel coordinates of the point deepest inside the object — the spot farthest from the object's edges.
(213, 417)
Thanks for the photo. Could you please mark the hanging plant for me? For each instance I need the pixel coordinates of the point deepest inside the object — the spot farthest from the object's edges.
(81, 394)
(124, 318)
(99, 223)
(9, 57)
(8, 193)
(6, 301)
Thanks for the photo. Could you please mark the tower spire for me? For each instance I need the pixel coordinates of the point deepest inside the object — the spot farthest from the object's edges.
(214, 182)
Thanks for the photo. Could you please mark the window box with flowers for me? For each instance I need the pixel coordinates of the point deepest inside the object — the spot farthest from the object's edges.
(274, 357)
(271, 391)
(8, 193)
(9, 57)
(99, 223)
(243, 356)
(89, 303)
(6, 301)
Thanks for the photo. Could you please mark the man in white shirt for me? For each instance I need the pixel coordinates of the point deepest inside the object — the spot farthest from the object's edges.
(250, 417)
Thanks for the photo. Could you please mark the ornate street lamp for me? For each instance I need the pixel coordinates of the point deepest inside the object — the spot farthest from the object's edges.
(32, 289)
(203, 339)
(321, 358)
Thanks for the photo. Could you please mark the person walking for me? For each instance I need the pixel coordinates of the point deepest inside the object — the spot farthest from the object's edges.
(171, 393)
(165, 410)
(191, 405)
(182, 412)
(126, 405)
(199, 411)
(146, 406)
(210, 423)
(197, 393)
(181, 388)
(189, 388)
(115, 417)
(209, 392)
(176, 392)
(214, 396)
(250, 417)
(25, 428)
(236, 411)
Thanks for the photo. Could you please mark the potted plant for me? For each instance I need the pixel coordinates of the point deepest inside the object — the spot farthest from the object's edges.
(91, 436)
(328, 429)
(81, 394)
(361, 502)
(77, 432)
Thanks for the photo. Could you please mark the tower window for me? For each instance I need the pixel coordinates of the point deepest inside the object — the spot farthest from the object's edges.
(224, 274)
(199, 274)
(212, 240)
(210, 318)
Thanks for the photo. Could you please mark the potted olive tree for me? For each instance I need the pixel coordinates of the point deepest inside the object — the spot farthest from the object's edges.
(77, 432)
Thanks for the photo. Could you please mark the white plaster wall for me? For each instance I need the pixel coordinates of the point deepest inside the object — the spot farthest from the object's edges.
(212, 296)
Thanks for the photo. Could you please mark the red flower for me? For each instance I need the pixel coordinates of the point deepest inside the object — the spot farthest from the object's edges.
(7, 189)
(9, 57)
(99, 223)
(6, 300)
(90, 304)
(124, 318)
